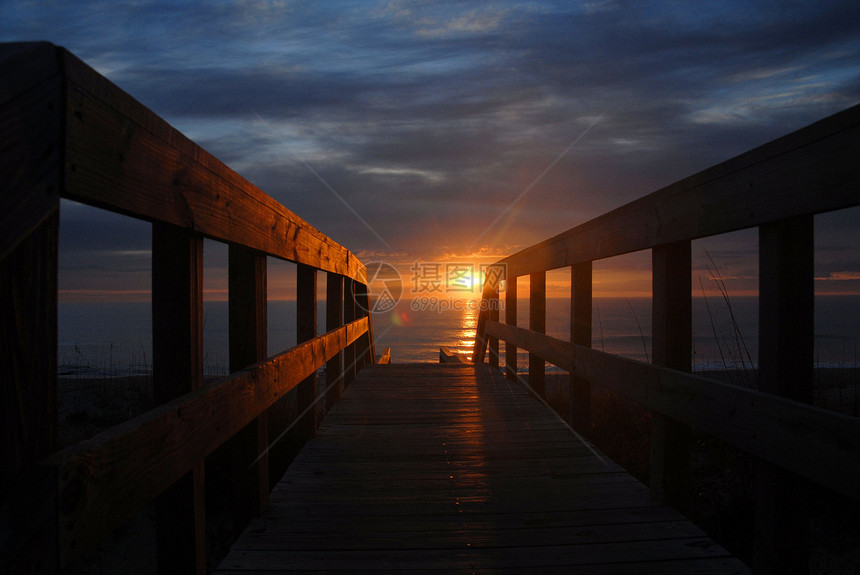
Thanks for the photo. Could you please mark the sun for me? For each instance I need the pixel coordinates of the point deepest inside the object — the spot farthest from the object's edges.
(464, 281)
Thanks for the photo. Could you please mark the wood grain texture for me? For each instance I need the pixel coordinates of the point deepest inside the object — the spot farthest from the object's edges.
(815, 443)
(581, 303)
(537, 323)
(809, 171)
(672, 346)
(177, 369)
(105, 479)
(123, 157)
(333, 320)
(385, 357)
(306, 330)
(449, 468)
(511, 319)
(245, 456)
(31, 154)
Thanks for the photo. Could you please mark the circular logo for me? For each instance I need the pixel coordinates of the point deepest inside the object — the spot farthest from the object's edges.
(384, 288)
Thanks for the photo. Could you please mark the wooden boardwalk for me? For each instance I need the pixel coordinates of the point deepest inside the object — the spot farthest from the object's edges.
(454, 469)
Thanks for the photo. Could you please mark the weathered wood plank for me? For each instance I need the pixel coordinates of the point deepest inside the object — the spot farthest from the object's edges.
(537, 323)
(31, 113)
(446, 355)
(350, 313)
(385, 357)
(28, 400)
(177, 369)
(511, 319)
(672, 346)
(466, 558)
(123, 157)
(688, 567)
(306, 330)
(364, 346)
(581, 290)
(809, 171)
(479, 350)
(333, 320)
(815, 443)
(31, 180)
(246, 455)
(25, 65)
(154, 450)
(492, 481)
(493, 315)
(786, 331)
(553, 350)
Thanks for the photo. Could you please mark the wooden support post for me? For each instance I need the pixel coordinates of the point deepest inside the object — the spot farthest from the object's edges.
(349, 314)
(511, 319)
(786, 268)
(580, 334)
(177, 368)
(31, 180)
(28, 391)
(537, 322)
(246, 455)
(333, 320)
(672, 346)
(306, 329)
(493, 315)
(479, 350)
(364, 345)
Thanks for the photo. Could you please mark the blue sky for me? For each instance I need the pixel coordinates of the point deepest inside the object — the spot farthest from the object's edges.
(433, 120)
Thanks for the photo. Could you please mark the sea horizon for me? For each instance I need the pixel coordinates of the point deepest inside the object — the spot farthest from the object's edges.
(113, 339)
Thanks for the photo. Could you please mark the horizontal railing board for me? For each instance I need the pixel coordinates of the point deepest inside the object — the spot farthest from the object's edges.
(123, 157)
(104, 480)
(809, 171)
(821, 445)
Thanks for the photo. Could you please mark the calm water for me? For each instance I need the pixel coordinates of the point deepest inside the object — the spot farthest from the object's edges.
(116, 338)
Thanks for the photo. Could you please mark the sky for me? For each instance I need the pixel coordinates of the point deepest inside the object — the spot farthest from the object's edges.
(461, 131)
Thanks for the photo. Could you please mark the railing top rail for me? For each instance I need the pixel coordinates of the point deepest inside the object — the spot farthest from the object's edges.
(809, 171)
(121, 156)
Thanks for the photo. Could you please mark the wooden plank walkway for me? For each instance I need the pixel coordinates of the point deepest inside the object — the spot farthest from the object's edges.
(454, 469)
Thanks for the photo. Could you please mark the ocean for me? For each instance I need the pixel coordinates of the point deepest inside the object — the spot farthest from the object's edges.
(113, 339)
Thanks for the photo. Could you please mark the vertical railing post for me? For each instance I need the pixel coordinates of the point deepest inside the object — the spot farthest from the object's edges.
(580, 334)
(177, 367)
(349, 315)
(480, 348)
(493, 315)
(333, 320)
(786, 335)
(363, 346)
(511, 319)
(246, 454)
(306, 329)
(537, 322)
(31, 180)
(672, 346)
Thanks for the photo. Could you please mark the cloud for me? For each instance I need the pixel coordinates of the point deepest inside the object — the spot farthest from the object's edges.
(429, 119)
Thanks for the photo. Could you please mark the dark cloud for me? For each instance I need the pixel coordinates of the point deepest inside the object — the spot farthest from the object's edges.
(431, 119)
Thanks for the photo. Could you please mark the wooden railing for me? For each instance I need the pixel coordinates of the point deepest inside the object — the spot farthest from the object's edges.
(776, 188)
(67, 132)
